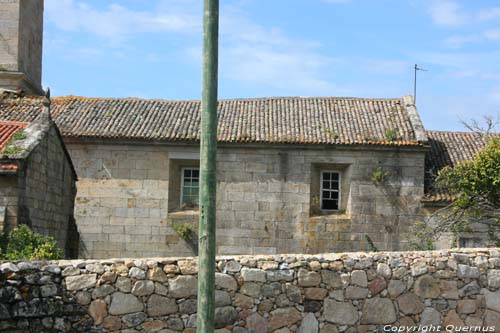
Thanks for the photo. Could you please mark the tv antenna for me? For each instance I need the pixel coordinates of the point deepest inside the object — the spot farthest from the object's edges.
(415, 83)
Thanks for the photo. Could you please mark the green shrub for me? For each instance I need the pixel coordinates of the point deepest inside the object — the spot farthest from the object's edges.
(185, 231)
(379, 175)
(24, 244)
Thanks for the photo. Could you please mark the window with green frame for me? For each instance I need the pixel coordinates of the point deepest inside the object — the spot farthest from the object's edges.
(190, 185)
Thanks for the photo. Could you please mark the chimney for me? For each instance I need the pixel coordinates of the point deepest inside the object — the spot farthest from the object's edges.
(21, 34)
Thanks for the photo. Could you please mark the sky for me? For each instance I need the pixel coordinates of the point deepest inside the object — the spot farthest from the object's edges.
(356, 48)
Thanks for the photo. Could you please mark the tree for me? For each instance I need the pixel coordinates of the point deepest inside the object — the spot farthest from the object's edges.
(475, 187)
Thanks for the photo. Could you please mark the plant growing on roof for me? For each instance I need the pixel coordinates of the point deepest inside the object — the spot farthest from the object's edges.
(391, 134)
(10, 147)
(19, 135)
(330, 132)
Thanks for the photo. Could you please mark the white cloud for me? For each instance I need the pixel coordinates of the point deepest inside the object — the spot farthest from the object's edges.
(457, 41)
(255, 54)
(492, 34)
(487, 14)
(250, 53)
(383, 66)
(336, 1)
(116, 22)
(495, 94)
(446, 13)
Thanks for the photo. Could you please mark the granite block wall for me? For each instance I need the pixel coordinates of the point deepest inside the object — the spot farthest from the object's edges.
(266, 199)
(9, 201)
(440, 291)
(9, 16)
(46, 201)
(42, 192)
(21, 34)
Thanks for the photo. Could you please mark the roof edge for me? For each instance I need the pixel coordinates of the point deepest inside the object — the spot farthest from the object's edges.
(415, 121)
(255, 98)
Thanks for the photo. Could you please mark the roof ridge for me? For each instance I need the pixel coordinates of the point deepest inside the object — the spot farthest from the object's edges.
(458, 132)
(64, 97)
(414, 117)
(320, 120)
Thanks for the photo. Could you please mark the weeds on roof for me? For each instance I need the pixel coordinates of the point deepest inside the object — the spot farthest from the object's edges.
(19, 135)
(10, 148)
(391, 134)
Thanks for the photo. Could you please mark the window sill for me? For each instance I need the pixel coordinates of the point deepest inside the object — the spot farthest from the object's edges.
(331, 214)
(185, 212)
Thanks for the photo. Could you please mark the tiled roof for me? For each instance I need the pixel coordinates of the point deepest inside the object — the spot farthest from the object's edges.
(7, 129)
(447, 149)
(321, 120)
(8, 167)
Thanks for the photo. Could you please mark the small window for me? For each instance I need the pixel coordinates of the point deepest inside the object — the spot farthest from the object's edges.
(330, 190)
(190, 185)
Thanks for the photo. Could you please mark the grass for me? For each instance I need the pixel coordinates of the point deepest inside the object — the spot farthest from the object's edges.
(9, 150)
(19, 135)
(391, 134)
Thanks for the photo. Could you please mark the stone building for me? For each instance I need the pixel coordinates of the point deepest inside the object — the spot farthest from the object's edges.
(448, 149)
(295, 174)
(37, 181)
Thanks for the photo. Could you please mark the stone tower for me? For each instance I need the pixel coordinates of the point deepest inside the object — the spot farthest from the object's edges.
(21, 32)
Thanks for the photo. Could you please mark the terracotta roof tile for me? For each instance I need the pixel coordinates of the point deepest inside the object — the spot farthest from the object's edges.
(312, 120)
(7, 129)
(8, 166)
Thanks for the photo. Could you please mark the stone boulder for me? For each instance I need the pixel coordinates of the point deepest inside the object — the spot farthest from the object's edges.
(225, 281)
(257, 324)
(253, 275)
(410, 303)
(309, 324)
(160, 306)
(283, 317)
(124, 304)
(341, 313)
(183, 286)
(79, 282)
(428, 287)
(225, 316)
(378, 311)
(492, 299)
(308, 279)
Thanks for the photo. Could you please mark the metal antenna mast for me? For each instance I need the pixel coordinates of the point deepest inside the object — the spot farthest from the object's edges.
(415, 83)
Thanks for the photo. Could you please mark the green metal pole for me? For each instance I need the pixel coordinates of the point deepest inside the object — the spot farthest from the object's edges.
(208, 152)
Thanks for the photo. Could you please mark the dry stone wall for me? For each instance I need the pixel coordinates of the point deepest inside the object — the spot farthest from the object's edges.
(352, 292)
